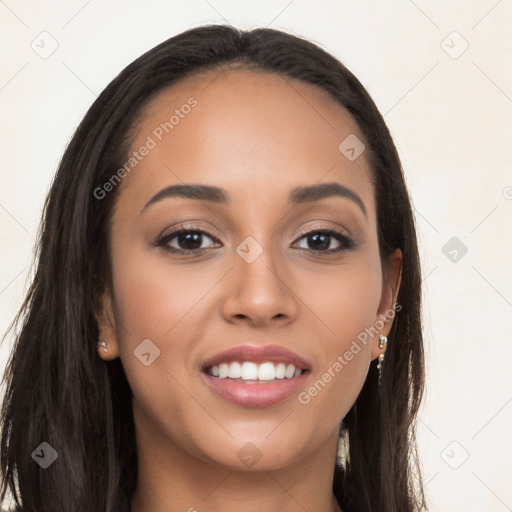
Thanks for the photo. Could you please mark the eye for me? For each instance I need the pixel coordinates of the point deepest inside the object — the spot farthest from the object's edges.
(184, 240)
(190, 239)
(321, 240)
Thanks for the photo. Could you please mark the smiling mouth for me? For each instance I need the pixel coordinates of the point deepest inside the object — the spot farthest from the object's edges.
(250, 373)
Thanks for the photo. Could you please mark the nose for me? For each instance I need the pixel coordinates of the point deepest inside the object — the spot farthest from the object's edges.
(260, 292)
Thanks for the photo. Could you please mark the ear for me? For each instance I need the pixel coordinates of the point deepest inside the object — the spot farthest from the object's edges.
(391, 278)
(106, 325)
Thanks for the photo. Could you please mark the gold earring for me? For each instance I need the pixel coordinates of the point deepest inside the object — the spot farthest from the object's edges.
(103, 344)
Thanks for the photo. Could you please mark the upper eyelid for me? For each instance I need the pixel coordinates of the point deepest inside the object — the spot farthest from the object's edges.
(187, 227)
(320, 227)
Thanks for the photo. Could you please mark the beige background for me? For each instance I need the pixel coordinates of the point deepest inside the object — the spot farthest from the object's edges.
(449, 109)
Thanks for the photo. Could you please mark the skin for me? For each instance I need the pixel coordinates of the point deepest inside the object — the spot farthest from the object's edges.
(257, 135)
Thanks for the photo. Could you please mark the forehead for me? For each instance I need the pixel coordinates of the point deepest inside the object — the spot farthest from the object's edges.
(249, 131)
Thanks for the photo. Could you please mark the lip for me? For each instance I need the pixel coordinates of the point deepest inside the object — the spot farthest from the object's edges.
(255, 393)
(257, 354)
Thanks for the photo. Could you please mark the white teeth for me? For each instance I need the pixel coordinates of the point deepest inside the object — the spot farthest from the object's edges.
(267, 371)
(253, 371)
(249, 371)
(280, 371)
(235, 371)
(223, 370)
(290, 371)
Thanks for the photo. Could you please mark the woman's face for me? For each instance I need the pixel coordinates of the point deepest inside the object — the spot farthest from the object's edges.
(256, 271)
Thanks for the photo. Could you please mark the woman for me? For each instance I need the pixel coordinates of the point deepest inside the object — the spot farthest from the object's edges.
(226, 248)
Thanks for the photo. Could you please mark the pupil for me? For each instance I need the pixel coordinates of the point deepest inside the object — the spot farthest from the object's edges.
(322, 245)
(189, 237)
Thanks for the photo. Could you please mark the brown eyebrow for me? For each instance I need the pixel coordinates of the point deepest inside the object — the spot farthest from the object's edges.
(218, 195)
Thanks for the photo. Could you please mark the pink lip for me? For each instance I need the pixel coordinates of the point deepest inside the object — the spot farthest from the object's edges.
(269, 353)
(255, 393)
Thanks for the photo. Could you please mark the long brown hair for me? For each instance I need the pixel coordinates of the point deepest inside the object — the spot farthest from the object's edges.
(60, 392)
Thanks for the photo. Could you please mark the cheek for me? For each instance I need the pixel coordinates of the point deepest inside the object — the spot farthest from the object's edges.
(346, 314)
(153, 298)
(343, 300)
(160, 304)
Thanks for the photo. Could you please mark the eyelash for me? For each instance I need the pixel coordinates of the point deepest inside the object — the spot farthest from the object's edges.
(346, 242)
